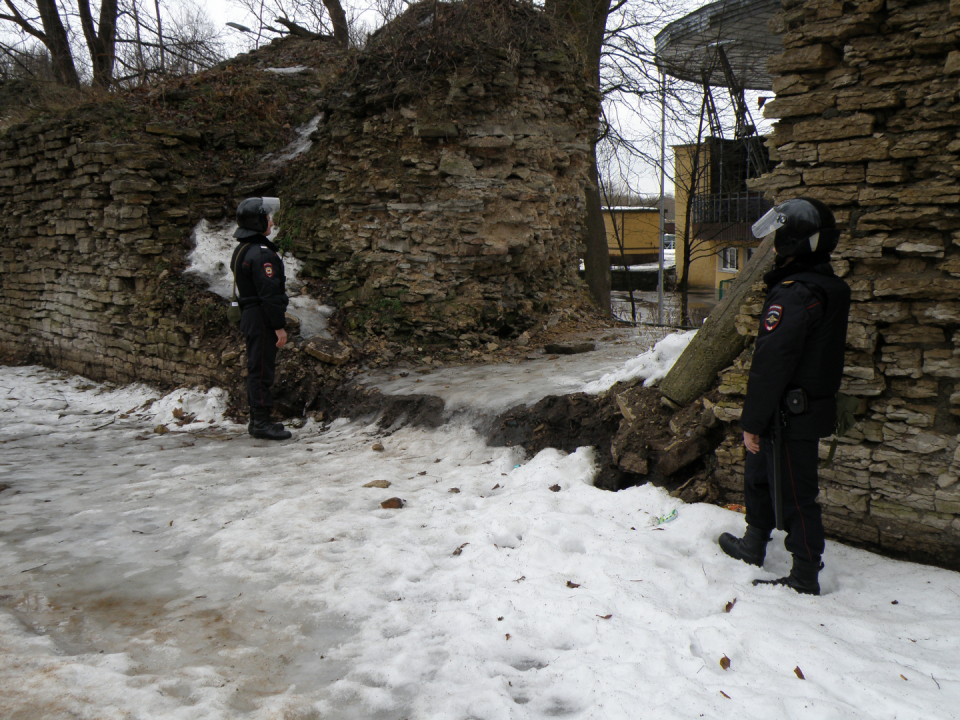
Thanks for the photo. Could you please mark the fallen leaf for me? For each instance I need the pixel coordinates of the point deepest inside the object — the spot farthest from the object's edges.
(178, 413)
(161, 430)
(725, 662)
(799, 672)
(730, 605)
(500, 618)
(572, 584)
(508, 636)
(454, 490)
(393, 503)
(495, 486)
(378, 484)
(604, 617)
(894, 603)
(724, 694)
(422, 472)
(555, 488)
(436, 461)
(903, 677)
(378, 447)
(460, 549)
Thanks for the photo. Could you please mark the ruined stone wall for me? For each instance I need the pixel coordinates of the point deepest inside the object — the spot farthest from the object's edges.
(458, 208)
(869, 122)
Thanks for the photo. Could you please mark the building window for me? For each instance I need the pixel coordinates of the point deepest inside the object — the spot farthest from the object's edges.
(669, 241)
(750, 252)
(728, 259)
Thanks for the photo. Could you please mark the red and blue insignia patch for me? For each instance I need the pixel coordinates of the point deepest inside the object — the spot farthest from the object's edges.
(774, 314)
(268, 270)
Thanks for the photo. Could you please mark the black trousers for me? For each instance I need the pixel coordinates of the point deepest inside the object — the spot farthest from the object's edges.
(801, 511)
(261, 360)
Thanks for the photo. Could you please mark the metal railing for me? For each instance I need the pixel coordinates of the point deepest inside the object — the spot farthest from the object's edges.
(743, 207)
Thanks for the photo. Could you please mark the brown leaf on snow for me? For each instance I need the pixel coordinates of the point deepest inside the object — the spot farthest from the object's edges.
(454, 490)
(799, 672)
(555, 488)
(459, 549)
(730, 605)
(508, 636)
(903, 677)
(725, 662)
(378, 447)
(495, 486)
(392, 504)
(604, 617)
(422, 472)
(572, 584)
(724, 694)
(178, 413)
(378, 484)
(161, 430)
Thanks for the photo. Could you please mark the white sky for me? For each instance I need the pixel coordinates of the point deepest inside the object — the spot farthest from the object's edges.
(201, 574)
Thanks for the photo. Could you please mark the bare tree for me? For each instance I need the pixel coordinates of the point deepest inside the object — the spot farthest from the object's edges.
(314, 17)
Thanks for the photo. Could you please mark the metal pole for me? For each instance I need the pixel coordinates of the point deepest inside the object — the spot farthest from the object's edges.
(663, 162)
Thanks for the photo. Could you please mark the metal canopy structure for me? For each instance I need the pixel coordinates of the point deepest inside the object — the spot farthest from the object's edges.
(687, 48)
(724, 44)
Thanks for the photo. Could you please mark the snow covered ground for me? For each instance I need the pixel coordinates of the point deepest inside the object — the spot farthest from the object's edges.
(196, 573)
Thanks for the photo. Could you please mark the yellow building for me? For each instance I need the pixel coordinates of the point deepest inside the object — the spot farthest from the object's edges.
(638, 230)
(714, 210)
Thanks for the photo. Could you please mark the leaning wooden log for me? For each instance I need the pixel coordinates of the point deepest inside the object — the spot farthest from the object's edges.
(717, 343)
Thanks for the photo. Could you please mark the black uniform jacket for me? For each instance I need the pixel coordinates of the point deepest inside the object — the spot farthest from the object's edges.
(803, 331)
(261, 280)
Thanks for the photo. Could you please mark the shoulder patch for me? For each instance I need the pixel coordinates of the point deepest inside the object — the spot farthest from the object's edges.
(773, 317)
(787, 282)
(268, 270)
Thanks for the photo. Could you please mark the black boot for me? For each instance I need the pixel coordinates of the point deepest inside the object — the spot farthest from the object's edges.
(261, 427)
(802, 577)
(751, 548)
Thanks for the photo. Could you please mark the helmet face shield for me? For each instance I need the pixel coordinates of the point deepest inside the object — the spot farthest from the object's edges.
(270, 205)
(769, 223)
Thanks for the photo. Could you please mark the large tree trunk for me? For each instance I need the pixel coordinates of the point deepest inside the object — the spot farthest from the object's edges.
(57, 43)
(586, 21)
(339, 19)
(596, 258)
(102, 40)
(717, 343)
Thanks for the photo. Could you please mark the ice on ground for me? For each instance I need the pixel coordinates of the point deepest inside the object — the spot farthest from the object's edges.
(312, 315)
(629, 356)
(212, 576)
(299, 145)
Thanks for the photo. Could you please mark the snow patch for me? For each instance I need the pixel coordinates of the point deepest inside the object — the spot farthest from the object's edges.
(651, 365)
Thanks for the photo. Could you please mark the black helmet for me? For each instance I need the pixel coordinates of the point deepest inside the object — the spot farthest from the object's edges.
(253, 214)
(802, 226)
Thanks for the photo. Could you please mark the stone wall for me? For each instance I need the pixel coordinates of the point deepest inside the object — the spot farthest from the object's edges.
(456, 209)
(869, 122)
(97, 205)
(440, 204)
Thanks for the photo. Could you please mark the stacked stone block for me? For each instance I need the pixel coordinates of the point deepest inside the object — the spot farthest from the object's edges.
(869, 122)
(458, 210)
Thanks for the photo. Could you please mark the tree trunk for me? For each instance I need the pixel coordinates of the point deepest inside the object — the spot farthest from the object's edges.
(339, 19)
(596, 257)
(57, 43)
(102, 40)
(586, 21)
(717, 343)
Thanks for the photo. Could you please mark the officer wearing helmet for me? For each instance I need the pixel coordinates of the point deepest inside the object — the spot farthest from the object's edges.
(791, 392)
(262, 296)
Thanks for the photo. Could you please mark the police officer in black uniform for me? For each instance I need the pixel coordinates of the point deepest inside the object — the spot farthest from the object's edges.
(794, 377)
(262, 295)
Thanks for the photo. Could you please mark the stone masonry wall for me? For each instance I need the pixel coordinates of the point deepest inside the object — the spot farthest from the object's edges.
(456, 209)
(869, 122)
